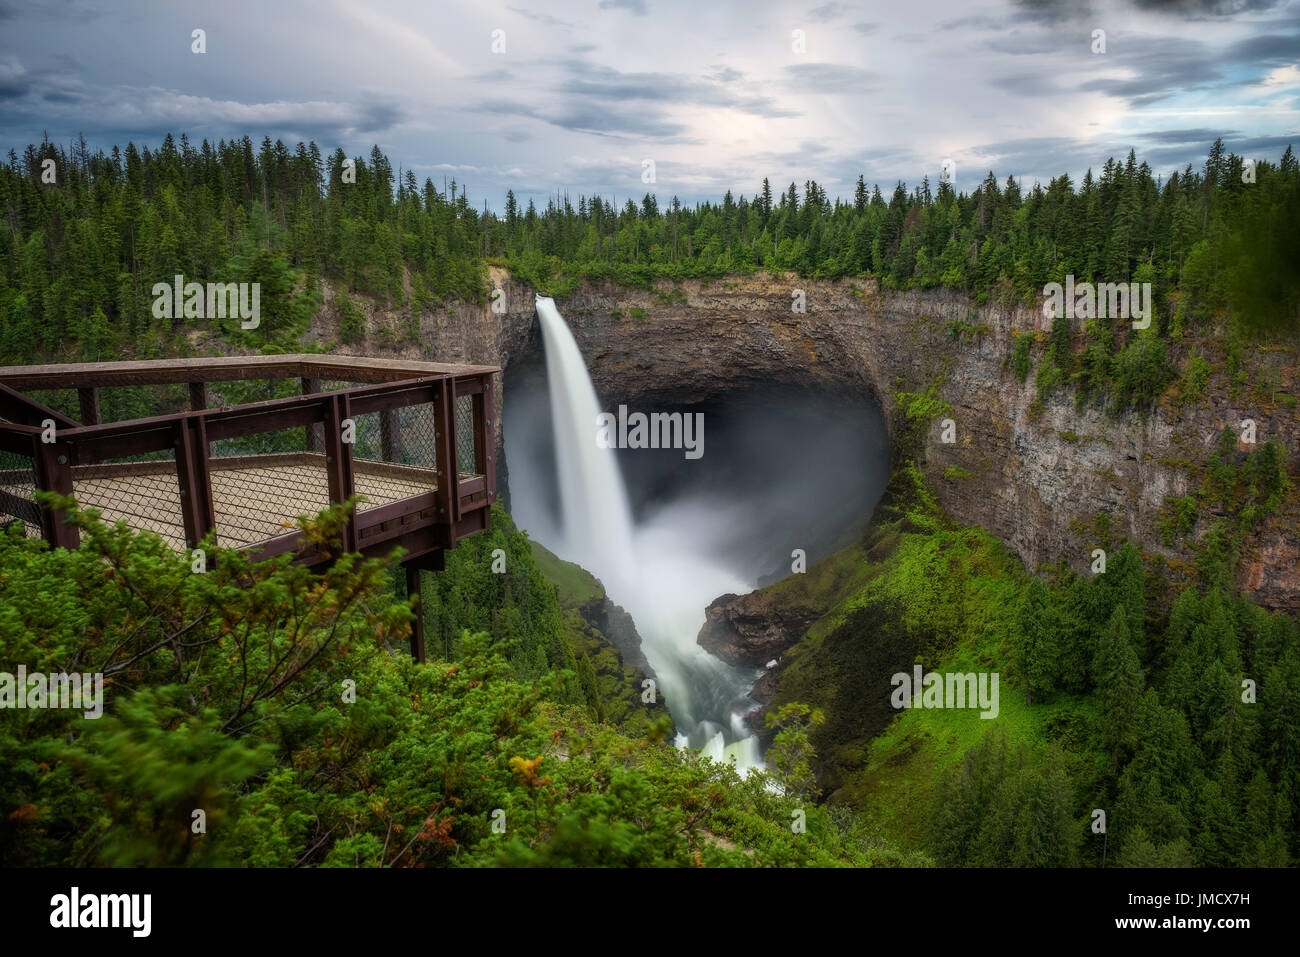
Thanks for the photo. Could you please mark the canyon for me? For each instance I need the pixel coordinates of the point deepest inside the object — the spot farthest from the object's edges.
(1036, 475)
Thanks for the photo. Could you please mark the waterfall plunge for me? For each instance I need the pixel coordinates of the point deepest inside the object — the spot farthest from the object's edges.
(654, 571)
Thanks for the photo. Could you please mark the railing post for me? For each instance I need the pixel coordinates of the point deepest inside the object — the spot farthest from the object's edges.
(88, 399)
(53, 463)
(485, 437)
(444, 418)
(198, 396)
(310, 386)
(197, 512)
(338, 461)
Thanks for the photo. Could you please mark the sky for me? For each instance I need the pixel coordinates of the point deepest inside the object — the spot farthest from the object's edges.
(582, 95)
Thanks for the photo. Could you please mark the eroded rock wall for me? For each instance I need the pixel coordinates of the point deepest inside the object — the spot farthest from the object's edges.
(1036, 478)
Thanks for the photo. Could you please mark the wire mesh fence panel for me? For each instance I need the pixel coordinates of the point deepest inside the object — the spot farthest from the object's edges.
(262, 482)
(122, 403)
(369, 435)
(117, 403)
(334, 385)
(419, 436)
(466, 462)
(140, 490)
(263, 443)
(243, 391)
(18, 493)
(393, 455)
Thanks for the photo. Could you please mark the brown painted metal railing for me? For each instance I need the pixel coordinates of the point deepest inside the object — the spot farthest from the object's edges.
(414, 438)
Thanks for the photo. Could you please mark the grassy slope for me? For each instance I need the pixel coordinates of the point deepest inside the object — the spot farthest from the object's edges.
(577, 586)
(953, 591)
(618, 687)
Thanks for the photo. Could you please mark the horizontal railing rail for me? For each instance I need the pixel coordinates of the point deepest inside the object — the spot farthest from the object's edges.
(85, 375)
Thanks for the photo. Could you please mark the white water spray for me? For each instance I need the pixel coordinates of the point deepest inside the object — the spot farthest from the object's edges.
(655, 571)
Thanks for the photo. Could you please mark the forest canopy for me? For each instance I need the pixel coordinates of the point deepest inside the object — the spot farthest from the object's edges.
(83, 252)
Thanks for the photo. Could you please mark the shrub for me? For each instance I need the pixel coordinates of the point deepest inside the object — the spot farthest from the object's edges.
(1020, 354)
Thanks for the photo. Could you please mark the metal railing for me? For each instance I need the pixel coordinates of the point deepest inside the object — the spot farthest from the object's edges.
(412, 438)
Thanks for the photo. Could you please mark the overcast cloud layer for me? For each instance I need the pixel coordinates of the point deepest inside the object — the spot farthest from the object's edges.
(716, 93)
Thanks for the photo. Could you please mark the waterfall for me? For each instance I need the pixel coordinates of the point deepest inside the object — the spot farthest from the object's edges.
(654, 571)
(597, 519)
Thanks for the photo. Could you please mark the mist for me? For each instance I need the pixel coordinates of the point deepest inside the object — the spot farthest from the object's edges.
(782, 469)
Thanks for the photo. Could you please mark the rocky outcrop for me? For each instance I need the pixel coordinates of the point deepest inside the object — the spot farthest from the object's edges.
(619, 629)
(1037, 477)
(752, 629)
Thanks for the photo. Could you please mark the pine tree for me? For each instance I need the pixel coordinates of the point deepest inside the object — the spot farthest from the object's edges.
(1036, 630)
(1117, 675)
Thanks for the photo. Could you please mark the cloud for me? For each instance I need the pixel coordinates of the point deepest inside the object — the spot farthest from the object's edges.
(827, 12)
(1270, 49)
(1027, 84)
(598, 120)
(1194, 153)
(155, 111)
(719, 89)
(49, 10)
(831, 78)
(1205, 8)
(713, 95)
(637, 7)
(1053, 12)
(1197, 135)
(14, 80)
(1160, 66)
(543, 18)
(500, 73)
(1047, 157)
(1032, 157)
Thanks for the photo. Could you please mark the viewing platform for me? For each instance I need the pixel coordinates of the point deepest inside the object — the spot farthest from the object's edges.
(244, 445)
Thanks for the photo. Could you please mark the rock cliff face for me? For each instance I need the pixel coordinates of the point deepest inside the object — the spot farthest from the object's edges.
(1036, 478)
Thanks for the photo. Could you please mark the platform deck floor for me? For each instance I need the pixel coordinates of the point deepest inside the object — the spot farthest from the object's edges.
(251, 504)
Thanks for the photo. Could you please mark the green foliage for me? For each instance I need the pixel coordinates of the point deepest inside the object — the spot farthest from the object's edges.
(1195, 378)
(493, 584)
(82, 255)
(1046, 379)
(352, 320)
(1132, 702)
(1117, 674)
(269, 697)
(997, 809)
(1036, 635)
(1141, 371)
(1059, 349)
(791, 754)
(1251, 486)
(923, 407)
(1178, 518)
(1020, 354)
